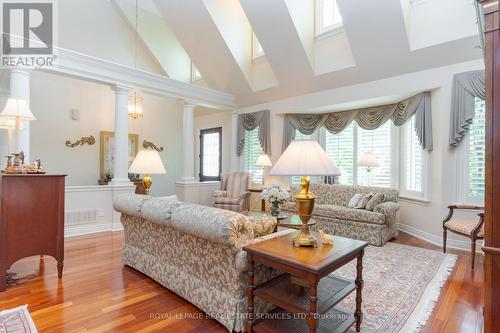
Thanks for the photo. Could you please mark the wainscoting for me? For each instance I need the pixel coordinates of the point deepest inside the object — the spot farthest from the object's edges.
(89, 209)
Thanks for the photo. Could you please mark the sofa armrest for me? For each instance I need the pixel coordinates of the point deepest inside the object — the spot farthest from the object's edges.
(389, 209)
(219, 194)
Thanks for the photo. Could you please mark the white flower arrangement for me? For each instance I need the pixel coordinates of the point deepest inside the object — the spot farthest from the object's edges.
(275, 193)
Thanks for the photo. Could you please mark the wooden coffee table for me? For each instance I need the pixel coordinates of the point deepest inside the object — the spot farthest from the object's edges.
(307, 294)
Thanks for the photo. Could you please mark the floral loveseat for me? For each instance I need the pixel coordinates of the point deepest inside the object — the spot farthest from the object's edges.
(193, 250)
(333, 215)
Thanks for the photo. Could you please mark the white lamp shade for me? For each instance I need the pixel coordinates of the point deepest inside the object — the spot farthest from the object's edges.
(148, 162)
(264, 161)
(17, 108)
(368, 160)
(304, 158)
(9, 123)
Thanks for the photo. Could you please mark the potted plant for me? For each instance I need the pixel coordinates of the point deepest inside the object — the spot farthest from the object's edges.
(276, 196)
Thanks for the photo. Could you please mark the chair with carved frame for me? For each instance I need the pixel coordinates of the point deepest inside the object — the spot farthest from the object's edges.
(471, 228)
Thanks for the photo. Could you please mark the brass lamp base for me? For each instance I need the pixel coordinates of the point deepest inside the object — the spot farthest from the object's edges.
(147, 181)
(305, 204)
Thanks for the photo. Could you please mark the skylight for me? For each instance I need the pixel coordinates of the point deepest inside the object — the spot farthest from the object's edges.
(195, 74)
(257, 50)
(328, 16)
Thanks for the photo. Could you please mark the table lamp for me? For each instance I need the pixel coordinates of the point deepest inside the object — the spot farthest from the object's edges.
(304, 158)
(369, 161)
(17, 110)
(9, 125)
(147, 162)
(263, 161)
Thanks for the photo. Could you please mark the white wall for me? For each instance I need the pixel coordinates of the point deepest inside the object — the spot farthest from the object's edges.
(52, 98)
(96, 28)
(423, 219)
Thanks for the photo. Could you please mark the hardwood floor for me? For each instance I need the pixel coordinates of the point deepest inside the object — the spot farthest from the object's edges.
(98, 294)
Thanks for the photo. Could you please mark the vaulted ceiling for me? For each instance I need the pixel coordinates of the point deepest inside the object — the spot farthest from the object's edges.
(379, 39)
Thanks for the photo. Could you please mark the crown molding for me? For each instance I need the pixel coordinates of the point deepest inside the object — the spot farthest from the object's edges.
(82, 66)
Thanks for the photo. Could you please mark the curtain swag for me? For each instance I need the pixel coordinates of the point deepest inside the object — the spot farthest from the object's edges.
(367, 118)
(248, 122)
(466, 87)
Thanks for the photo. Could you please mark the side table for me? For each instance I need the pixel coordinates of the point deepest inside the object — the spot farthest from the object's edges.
(309, 268)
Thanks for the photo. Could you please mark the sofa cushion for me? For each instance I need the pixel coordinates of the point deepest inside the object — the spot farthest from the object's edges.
(345, 213)
(355, 200)
(377, 199)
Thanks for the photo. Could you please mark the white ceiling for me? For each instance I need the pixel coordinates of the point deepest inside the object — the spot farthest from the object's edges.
(380, 39)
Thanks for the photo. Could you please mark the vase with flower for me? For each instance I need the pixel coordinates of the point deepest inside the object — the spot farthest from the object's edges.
(276, 196)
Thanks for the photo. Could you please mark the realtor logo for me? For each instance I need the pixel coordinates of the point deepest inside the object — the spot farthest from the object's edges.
(27, 33)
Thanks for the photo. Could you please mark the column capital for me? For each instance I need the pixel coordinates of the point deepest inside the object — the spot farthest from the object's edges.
(189, 103)
(122, 88)
(21, 70)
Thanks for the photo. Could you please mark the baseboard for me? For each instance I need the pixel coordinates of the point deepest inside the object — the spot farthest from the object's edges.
(433, 239)
(87, 229)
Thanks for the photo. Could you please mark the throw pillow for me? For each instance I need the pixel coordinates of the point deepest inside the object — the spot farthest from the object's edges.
(362, 203)
(263, 225)
(377, 199)
(355, 200)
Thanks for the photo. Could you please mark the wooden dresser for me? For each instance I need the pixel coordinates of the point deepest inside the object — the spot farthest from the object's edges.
(31, 219)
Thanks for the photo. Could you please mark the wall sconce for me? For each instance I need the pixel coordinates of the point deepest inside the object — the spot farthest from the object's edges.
(149, 145)
(90, 140)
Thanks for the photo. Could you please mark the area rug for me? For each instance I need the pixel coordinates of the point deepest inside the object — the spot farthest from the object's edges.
(17, 320)
(402, 285)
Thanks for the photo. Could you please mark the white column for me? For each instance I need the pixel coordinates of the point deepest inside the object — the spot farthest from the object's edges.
(120, 166)
(234, 138)
(188, 143)
(20, 88)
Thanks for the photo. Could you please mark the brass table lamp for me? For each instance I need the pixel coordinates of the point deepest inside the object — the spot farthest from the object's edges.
(147, 162)
(304, 158)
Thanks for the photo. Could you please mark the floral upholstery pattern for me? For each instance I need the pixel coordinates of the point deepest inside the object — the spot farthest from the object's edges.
(196, 253)
(333, 215)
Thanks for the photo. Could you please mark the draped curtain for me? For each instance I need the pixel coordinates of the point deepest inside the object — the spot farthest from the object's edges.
(466, 87)
(248, 122)
(367, 118)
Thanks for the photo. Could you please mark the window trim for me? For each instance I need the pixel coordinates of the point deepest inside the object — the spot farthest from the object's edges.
(255, 49)
(202, 133)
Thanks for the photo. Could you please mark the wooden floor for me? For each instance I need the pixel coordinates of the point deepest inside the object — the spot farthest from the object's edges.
(98, 294)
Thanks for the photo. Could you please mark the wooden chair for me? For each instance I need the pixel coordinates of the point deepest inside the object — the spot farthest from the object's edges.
(471, 228)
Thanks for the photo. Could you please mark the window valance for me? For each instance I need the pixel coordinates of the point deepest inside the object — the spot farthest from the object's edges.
(367, 118)
(466, 87)
(250, 121)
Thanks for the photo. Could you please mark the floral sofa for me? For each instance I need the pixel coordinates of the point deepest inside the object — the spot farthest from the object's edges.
(193, 250)
(333, 215)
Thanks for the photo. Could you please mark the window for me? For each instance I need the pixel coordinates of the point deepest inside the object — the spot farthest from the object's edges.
(328, 17)
(412, 161)
(195, 74)
(378, 142)
(477, 152)
(471, 175)
(257, 50)
(251, 151)
(340, 148)
(210, 154)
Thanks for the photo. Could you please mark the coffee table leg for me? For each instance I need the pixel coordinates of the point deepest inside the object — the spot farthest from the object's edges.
(312, 316)
(358, 314)
(250, 297)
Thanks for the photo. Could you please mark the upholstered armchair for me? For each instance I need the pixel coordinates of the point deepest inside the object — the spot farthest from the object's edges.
(471, 228)
(233, 194)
